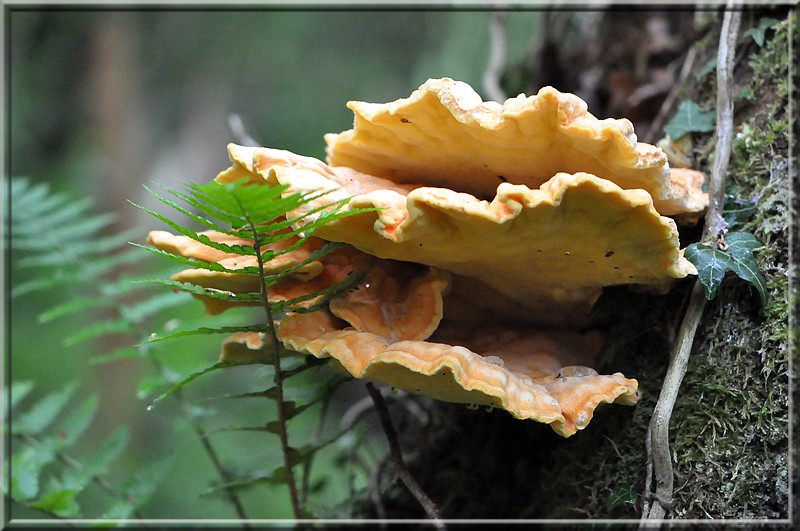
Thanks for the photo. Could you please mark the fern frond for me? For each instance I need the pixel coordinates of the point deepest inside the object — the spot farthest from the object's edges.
(202, 238)
(196, 263)
(44, 475)
(206, 331)
(177, 386)
(70, 251)
(214, 293)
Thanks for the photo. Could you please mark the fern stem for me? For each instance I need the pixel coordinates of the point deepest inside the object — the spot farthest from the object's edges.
(202, 436)
(276, 345)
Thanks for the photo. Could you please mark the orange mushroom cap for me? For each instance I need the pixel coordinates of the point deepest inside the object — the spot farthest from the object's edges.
(445, 135)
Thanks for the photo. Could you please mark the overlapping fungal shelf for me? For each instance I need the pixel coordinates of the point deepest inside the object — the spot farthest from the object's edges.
(493, 231)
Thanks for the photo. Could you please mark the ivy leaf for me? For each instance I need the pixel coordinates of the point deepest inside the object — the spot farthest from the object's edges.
(621, 495)
(737, 210)
(759, 32)
(690, 118)
(712, 264)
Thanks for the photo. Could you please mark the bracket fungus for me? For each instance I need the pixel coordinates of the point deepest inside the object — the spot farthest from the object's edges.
(490, 230)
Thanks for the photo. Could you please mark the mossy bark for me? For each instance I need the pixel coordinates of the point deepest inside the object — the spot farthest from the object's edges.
(729, 434)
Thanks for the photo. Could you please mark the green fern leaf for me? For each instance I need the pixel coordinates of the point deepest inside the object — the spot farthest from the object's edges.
(102, 328)
(202, 238)
(207, 331)
(75, 423)
(43, 413)
(73, 306)
(206, 292)
(195, 375)
(19, 390)
(199, 264)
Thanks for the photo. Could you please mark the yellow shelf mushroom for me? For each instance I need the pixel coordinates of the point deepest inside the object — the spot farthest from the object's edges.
(495, 228)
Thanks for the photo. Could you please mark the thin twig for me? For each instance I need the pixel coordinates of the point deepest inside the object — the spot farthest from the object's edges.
(239, 131)
(497, 56)
(666, 107)
(397, 457)
(715, 227)
(715, 224)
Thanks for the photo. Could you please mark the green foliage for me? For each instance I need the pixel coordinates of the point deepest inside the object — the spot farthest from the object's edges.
(712, 264)
(45, 474)
(759, 32)
(258, 213)
(69, 250)
(261, 216)
(690, 118)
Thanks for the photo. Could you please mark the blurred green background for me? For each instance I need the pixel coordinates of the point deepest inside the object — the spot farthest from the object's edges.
(104, 101)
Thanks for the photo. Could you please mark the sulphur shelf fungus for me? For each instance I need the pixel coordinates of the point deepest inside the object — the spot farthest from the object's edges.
(489, 232)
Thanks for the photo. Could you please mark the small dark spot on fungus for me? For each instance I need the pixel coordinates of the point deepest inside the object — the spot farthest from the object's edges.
(502, 178)
(405, 120)
(591, 261)
(609, 253)
(631, 276)
(420, 245)
(539, 250)
(616, 267)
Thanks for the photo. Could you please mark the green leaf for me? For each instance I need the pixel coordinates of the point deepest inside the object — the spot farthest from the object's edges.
(712, 264)
(743, 262)
(26, 465)
(19, 390)
(195, 375)
(139, 488)
(43, 413)
(73, 306)
(207, 331)
(707, 68)
(138, 312)
(202, 238)
(103, 328)
(737, 210)
(690, 118)
(206, 292)
(60, 502)
(621, 495)
(759, 32)
(75, 422)
(199, 264)
(97, 462)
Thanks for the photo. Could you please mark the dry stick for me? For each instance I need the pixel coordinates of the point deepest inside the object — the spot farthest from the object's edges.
(497, 56)
(397, 457)
(658, 431)
(658, 121)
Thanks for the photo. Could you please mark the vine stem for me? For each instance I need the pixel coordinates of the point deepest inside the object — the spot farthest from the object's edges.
(397, 457)
(276, 345)
(659, 460)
